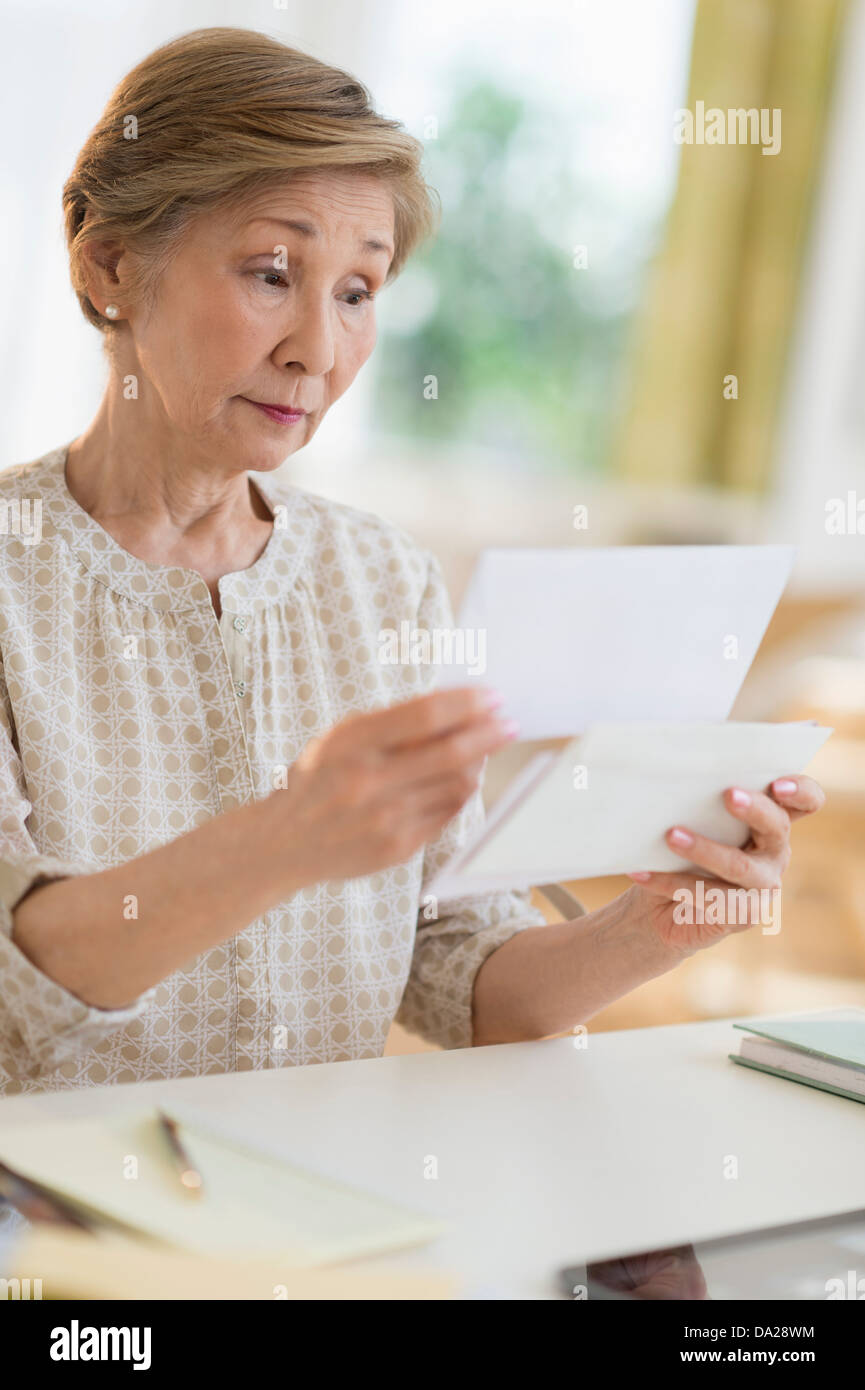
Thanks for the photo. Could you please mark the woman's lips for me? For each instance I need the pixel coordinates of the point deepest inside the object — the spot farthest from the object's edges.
(277, 412)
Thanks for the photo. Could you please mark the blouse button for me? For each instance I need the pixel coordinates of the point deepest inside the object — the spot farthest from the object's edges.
(240, 688)
(239, 624)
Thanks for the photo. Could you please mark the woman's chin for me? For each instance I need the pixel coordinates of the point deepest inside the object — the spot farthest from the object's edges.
(277, 456)
(261, 450)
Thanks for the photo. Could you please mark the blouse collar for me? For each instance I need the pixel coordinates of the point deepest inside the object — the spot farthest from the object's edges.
(168, 587)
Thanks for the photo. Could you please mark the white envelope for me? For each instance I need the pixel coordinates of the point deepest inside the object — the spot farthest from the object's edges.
(573, 637)
(603, 804)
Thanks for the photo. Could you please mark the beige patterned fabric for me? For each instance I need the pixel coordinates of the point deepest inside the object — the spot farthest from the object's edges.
(131, 714)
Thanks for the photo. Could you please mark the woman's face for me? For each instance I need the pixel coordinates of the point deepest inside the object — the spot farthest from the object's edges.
(253, 309)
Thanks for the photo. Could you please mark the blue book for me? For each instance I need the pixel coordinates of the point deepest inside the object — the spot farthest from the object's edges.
(825, 1049)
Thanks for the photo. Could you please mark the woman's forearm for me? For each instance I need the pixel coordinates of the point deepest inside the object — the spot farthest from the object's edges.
(548, 979)
(108, 936)
(364, 796)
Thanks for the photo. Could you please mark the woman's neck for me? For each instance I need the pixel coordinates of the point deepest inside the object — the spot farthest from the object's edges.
(167, 505)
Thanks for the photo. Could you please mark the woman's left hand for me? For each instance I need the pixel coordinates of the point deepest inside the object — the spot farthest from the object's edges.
(674, 899)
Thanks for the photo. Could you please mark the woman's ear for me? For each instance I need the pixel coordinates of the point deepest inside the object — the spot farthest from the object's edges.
(101, 259)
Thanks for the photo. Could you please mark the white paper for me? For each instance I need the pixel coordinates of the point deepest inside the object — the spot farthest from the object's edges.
(604, 804)
(573, 637)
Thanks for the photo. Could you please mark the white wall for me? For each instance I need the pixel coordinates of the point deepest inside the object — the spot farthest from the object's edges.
(59, 63)
(822, 437)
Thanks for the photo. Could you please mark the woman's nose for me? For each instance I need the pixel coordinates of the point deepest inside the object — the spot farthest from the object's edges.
(309, 343)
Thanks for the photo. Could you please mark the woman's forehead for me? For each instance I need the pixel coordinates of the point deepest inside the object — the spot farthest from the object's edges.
(313, 200)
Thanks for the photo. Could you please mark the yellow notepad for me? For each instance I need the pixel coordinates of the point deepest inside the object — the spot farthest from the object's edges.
(69, 1264)
(252, 1204)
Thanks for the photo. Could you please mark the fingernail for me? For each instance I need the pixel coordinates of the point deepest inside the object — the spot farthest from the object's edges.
(493, 699)
(681, 837)
(641, 877)
(784, 786)
(740, 798)
(510, 728)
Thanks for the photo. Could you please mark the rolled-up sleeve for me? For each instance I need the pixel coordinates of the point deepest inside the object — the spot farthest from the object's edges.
(454, 938)
(42, 1024)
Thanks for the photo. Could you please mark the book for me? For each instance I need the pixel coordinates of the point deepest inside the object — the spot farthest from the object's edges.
(825, 1049)
(252, 1204)
(603, 804)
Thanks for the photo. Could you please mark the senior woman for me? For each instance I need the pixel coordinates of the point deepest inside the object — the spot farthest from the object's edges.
(220, 812)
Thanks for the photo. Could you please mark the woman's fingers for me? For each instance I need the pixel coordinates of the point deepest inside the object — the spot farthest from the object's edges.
(376, 787)
(660, 885)
(453, 753)
(769, 822)
(800, 796)
(769, 825)
(444, 801)
(414, 721)
(447, 757)
(418, 817)
(361, 752)
(422, 796)
(722, 861)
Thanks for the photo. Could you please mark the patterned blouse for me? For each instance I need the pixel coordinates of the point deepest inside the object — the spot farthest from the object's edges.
(131, 714)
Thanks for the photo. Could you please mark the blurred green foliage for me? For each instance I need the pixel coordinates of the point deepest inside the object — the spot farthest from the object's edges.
(526, 348)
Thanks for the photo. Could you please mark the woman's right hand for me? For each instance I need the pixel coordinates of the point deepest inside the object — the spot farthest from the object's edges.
(364, 796)
(376, 787)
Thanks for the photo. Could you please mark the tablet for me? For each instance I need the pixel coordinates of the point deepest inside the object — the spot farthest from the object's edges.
(820, 1260)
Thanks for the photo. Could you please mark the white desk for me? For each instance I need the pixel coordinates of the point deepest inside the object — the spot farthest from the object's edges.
(547, 1154)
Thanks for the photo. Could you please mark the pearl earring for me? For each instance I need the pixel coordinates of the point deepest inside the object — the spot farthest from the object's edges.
(111, 311)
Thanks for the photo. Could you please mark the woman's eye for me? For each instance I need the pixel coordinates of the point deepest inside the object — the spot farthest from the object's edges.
(274, 280)
(271, 276)
(360, 296)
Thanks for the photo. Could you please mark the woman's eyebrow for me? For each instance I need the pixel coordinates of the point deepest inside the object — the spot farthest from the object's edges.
(309, 229)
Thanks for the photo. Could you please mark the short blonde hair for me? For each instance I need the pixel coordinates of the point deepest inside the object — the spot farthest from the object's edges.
(217, 114)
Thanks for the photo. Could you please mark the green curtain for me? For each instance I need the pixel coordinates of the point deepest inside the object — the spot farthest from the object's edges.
(722, 293)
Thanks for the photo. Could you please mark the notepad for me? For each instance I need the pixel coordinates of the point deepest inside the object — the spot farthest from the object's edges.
(604, 803)
(68, 1264)
(825, 1049)
(586, 635)
(253, 1204)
